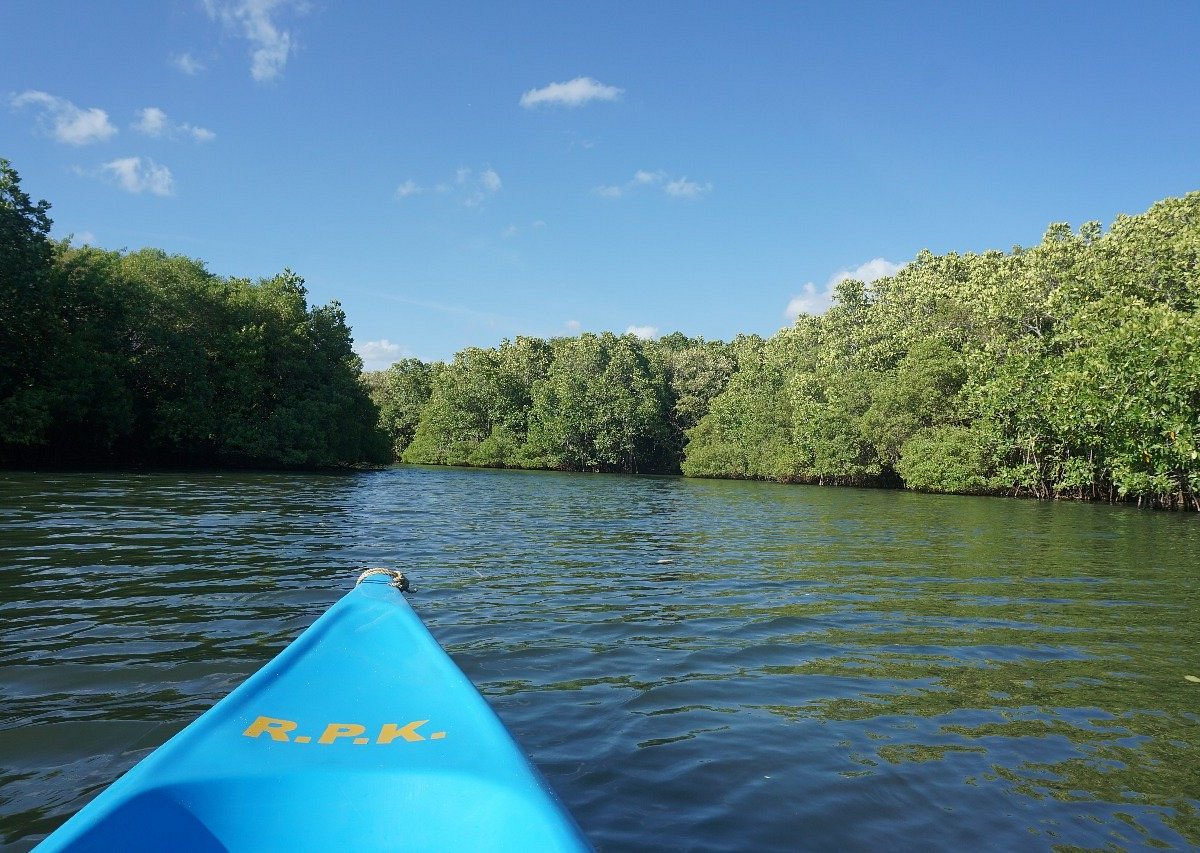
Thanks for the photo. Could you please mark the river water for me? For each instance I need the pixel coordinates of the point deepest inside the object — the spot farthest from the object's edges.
(693, 665)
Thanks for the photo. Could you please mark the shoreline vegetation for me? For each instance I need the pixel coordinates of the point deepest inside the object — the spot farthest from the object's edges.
(1070, 370)
(1067, 370)
(148, 358)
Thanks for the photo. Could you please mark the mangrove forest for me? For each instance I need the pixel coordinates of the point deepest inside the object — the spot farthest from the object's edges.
(145, 357)
(1069, 369)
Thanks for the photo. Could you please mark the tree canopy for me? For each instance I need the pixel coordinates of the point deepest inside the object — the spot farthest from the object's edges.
(590, 403)
(144, 356)
(1068, 369)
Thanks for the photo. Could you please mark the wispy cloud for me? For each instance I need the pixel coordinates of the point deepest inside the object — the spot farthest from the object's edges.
(65, 121)
(513, 229)
(573, 93)
(153, 122)
(381, 354)
(573, 325)
(187, 63)
(137, 175)
(644, 332)
(472, 188)
(408, 188)
(814, 300)
(683, 188)
(643, 178)
(255, 20)
(489, 180)
(488, 318)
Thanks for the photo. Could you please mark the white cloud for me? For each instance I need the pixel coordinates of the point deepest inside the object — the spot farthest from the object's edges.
(490, 181)
(808, 301)
(187, 63)
(408, 188)
(255, 21)
(683, 188)
(151, 121)
(872, 270)
(812, 300)
(573, 93)
(573, 325)
(135, 175)
(381, 354)
(200, 134)
(643, 178)
(470, 188)
(83, 238)
(643, 332)
(477, 187)
(154, 122)
(68, 123)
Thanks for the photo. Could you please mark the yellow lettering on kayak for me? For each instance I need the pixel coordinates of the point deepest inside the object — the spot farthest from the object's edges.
(391, 731)
(272, 726)
(333, 731)
(284, 731)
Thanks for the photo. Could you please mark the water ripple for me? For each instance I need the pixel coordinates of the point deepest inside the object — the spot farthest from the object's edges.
(694, 665)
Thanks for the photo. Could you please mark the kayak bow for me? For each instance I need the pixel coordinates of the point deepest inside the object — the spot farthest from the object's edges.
(361, 735)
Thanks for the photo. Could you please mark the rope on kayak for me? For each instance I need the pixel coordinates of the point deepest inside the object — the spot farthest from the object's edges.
(398, 580)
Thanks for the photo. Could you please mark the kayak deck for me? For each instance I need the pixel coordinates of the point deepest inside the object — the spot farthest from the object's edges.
(360, 735)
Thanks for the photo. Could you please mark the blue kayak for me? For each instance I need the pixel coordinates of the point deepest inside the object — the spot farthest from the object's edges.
(361, 735)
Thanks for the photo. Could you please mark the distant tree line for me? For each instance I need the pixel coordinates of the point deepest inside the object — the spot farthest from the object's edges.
(148, 357)
(1070, 369)
(589, 403)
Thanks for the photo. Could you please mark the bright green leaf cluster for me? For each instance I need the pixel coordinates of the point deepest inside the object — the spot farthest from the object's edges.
(1071, 369)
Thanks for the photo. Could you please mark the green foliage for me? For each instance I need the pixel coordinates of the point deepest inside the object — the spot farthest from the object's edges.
(501, 449)
(747, 431)
(401, 393)
(480, 392)
(145, 356)
(601, 407)
(1066, 370)
(1069, 369)
(28, 322)
(697, 371)
(920, 391)
(592, 403)
(948, 459)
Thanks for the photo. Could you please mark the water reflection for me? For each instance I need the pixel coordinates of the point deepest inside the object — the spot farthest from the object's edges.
(813, 668)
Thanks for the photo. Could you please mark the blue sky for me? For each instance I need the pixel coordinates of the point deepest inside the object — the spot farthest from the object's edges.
(455, 174)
